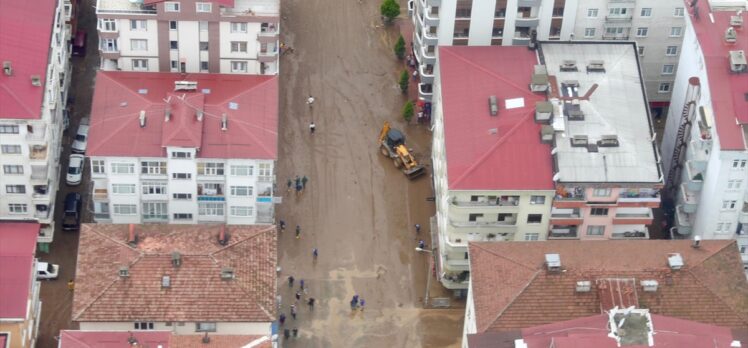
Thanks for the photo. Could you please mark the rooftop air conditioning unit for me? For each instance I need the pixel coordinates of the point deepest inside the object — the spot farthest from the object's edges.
(569, 65)
(584, 286)
(675, 261)
(738, 61)
(165, 281)
(553, 262)
(736, 21)
(493, 105)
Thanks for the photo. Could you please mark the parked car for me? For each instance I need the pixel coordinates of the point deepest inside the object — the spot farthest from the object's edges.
(79, 43)
(75, 169)
(71, 221)
(47, 271)
(81, 139)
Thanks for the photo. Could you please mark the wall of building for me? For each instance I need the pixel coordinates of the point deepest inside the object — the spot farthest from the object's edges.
(469, 324)
(184, 328)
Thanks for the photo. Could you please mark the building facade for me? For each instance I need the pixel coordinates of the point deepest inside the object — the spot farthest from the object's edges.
(656, 26)
(704, 147)
(227, 36)
(33, 93)
(204, 154)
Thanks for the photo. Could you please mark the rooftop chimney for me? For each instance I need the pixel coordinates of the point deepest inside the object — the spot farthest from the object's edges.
(223, 237)
(142, 118)
(227, 273)
(36, 80)
(167, 114)
(124, 272)
(696, 242)
(675, 261)
(176, 259)
(493, 106)
(206, 339)
(7, 68)
(132, 238)
(649, 285)
(199, 115)
(553, 262)
(224, 122)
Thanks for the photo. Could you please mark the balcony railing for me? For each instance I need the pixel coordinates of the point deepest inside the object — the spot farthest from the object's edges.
(482, 223)
(619, 18)
(100, 193)
(572, 193)
(39, 172)
(46, 234)
(566, 213)
(642, 233)
(484, 203)
(566, 232)
(639, 195)
(38, 152)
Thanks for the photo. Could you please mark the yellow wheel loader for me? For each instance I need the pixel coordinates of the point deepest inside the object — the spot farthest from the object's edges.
(392, 145)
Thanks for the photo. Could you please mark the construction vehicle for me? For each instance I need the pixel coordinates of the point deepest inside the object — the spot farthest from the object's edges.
(392, 145)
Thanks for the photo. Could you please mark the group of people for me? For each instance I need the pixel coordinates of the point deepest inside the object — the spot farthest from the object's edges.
(293, 307)
(357, 303)
(299, 183)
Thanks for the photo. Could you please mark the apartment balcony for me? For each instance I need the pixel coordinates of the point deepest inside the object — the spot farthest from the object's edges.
(246, 12)
(457, 264)
(46, 233)
(743, 217)
(689, 199)
(39, 173)
(100, 194)
(425, 91)
(208, 193)
(102, 217)
(110, 54)
(622, 37)
(528, 3)
(699, 149)
(619, 19)
(41, 192)
(525, 20)
(695, 172)
(633, 216)
(156, 218)
(453, 281)
(683, 221)
(569, 197)
(267, 56)
(268, 33)
(265, 213)
(458, 241)
(38, 152)
(123, 7)
(510, 224)
(426, 73)
(630, 232)
(570, 217)
(36, 135)
(43, 211)
(428, 38)
(642, 197)
(520, 39)
(428, 53)
(563, 232)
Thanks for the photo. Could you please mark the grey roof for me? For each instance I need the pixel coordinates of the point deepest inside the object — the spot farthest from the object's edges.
(617, 106)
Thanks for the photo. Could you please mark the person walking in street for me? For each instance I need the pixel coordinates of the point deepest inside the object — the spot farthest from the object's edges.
(303, 182)
(354, 303)
(282, 319)
(290, 281)
(71, 285)
(286, 333)
(298, 232)
(282, 225)
(293, 311)
(290, 184)
(315, 253)
(301, 285)
(421, 244)
(312, 127)
(298, 295)
(418, 228)
(310, 302)
(298, 185)
(310, 101)
(361, 304)
(295, 332)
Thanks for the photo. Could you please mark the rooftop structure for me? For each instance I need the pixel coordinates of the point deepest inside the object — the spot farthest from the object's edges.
(163, 339)
(222, 116)
(175, 273)
(17, 267)
(703, 282)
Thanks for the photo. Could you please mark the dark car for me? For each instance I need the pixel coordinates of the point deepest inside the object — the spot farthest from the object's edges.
(71, 221)
(79, 44)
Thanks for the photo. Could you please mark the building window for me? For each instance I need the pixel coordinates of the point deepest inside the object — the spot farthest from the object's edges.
(17, 189)
(155, 211)
(723, 227)
(205, 327)
(140, 64)
(664, 87)
(241, 190)
(181, 154)
(210, 209)
(668, 69)
(203, 25)
(589, 32)
(125, 209)
(203, 45)
(265, 169)
(640, 49)
(618, 11)
(592, 12)
(12, 169)
(676, 31)
(734, 184)
(182, 196)
(153, 167)
(241, 211)
(614, 31)
(181, 176)
(210, 168)
(599, 212)
(463, 12)
(728, 205)
(8, 129)
(97, 167)
(171, 6)
(642, 32)
(123, 168)
(474, 217)
(173, 25)
(238, 66)
(601, 192)
(123, 189)
(11, 149)
(204, 66)
(138, 45)
(204, 7)
(531, 236)
(154, 188)
(738, 164)
(537, 199)
(108, 45)
(646, 12)
(241, 170)
(106, 24)
(138, 24)
(142, 325)
(595, 230)
(182, 216)
(671, 51)
(678, 12)
(237, 27)
(16, 208)
(534, 218)
(174, 65)
(239, 46)
(173, 45)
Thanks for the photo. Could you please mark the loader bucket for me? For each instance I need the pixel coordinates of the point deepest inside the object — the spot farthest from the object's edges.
(414, 172)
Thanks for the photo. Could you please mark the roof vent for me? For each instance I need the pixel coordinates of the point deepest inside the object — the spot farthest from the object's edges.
(735, 344)
(7, 68)
(36, 80)
(223, 236)
(584, 286)
(206, 339)
(233, 106)
(696, 242)
(224, 122)
(167, 115)
(649, 285)
(608, 141)
(176, 259)
(165, 281)
(737, 21)
(596, 66)
(568, 65)
(124, 272)
(731, 35)
(132, 237)
(493, 105)
(206, 90)
(553, 262)
(199, 115)
(543, 111)
(546, 134)
(227, 273)
(539, 81)
(738, 62)
(675, 261)
(579, 141)
(185, 85)
(592, 148)
(142, 118)
(143, 91)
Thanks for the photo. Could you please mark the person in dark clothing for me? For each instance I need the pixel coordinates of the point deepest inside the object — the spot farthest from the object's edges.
(286, 333)
(282, 319)
(290, 281)
(310, 302)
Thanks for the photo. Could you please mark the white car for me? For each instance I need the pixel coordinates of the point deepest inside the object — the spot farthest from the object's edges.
(47, 271)
(75, 169)
(81, 139)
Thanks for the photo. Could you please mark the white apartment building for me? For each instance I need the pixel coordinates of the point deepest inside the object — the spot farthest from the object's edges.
(492, 175)
(197, 151)
(227, 36)
(656, 26)
(33, 92)
(704, 147)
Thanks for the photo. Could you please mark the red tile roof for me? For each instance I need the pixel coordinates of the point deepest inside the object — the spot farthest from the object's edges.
(727, 89)
(511, 159)
(711, 287)
(196, 293)
(249, 102)
(17, 247)
(220, 341)
(114, 339)
(25, 37)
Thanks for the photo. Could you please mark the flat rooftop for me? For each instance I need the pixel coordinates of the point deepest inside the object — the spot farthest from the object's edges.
(606, 87)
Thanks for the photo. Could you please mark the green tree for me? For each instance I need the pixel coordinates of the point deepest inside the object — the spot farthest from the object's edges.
(389, 9)
(404, 79)
(408, 111)
(400, 47)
